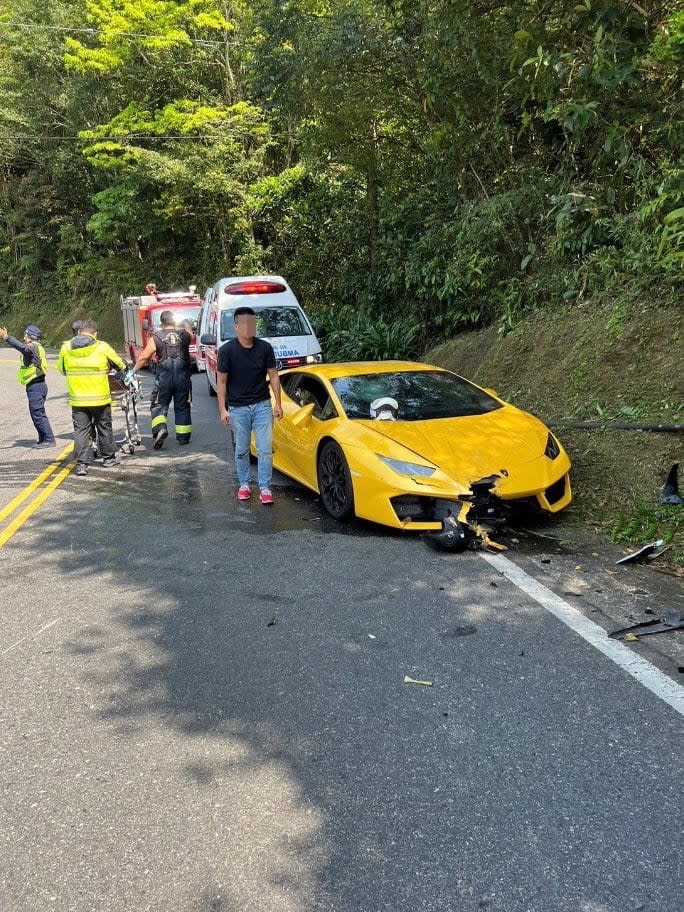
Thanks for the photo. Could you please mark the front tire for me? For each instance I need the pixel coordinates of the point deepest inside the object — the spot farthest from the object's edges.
(334, 481)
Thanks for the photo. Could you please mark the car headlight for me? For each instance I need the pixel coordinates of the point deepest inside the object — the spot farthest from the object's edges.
(407, 468)
(552, 449)
(314, 359)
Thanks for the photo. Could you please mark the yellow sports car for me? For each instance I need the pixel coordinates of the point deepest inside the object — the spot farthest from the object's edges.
(414, 447)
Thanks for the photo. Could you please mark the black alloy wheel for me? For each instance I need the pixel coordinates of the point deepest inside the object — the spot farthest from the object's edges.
(334, 481)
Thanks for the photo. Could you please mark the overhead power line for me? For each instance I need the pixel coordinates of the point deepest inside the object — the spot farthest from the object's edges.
(118, 138)
(95, 31)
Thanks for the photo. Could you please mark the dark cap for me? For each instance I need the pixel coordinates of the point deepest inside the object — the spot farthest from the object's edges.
(33, 332)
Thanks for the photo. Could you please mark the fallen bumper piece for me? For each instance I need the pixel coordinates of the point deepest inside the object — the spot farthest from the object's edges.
(670, 492)
(645, 553)
(657, 625)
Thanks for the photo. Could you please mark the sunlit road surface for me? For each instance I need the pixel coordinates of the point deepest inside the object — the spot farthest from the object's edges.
(203, 708)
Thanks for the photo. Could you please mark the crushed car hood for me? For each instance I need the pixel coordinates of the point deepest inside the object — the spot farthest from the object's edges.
(472, 446)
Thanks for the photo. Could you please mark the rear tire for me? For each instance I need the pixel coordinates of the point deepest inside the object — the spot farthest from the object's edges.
(335, 482)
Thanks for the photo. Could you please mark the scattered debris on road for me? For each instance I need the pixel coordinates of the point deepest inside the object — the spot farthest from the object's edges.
(647, 552)
(408, 680)
(670, 490)
(657, 625)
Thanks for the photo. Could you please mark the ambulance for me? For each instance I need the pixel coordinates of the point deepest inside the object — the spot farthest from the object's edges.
(280, 321)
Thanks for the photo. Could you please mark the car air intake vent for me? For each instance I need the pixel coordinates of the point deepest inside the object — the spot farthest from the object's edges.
(555, 491)
(407, 506)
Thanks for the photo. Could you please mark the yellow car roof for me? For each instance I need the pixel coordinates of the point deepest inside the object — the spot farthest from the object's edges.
(333, 370)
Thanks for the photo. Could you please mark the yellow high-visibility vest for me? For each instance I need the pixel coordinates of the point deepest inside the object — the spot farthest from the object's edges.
(26, 374)
(86, 371)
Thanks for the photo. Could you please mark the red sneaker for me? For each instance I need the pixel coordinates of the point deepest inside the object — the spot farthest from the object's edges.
(265, 496)
(244, 492)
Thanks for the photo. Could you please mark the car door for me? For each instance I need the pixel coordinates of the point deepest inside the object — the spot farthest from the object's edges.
(202, 328)
(307, 409)
(211, 351)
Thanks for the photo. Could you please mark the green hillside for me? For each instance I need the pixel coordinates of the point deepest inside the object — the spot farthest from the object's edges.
(594, 363)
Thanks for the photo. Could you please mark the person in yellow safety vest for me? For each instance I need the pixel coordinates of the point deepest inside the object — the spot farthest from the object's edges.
(85, 361)
(33, 369)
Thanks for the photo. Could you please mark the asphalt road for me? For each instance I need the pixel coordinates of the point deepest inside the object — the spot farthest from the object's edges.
(203, 708)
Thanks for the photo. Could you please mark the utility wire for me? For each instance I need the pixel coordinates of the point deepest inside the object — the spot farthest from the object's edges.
(114, 138)
(94, 31)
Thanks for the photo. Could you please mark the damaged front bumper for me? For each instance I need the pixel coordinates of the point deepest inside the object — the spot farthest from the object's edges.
(468, 521)
(471, 518)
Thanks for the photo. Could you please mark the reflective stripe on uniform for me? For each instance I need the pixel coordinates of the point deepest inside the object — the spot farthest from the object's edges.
(90, 400)
(160, 419)
(91, 372)
(183, 428)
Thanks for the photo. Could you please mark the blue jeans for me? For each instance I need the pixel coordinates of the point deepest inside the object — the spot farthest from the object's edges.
(257, 419)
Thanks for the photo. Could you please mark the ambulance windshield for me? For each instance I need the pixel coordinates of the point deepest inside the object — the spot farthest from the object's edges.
(272, 323)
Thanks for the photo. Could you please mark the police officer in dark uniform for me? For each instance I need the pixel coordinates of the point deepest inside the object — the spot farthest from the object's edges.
(172, 348)
(32, 372)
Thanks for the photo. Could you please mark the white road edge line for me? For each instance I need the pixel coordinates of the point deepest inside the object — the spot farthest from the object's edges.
(640, 669)
(30, 636)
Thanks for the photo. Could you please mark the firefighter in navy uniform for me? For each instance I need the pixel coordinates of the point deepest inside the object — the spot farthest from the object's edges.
(172, 347)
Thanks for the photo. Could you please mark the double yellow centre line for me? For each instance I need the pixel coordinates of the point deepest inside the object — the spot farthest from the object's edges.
(15, 524)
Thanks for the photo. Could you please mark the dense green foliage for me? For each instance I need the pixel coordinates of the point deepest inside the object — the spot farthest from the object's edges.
(413, 168)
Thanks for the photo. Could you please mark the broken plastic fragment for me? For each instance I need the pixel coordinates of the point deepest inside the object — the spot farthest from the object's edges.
(482, 534)
(670, 493)
(408, 680)
(657, 625)
(643, 553)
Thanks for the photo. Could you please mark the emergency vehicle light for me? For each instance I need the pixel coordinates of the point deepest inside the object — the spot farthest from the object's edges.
(245, 288)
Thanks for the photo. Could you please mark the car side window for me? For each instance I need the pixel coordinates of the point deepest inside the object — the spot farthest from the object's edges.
(289, 384)
(310, 389)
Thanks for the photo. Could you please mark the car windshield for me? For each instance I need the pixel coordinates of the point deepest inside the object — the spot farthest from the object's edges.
(272, 322)
(180, 314)
(421, 395)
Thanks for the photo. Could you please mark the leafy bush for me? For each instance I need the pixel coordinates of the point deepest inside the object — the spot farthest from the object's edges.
(359, 336)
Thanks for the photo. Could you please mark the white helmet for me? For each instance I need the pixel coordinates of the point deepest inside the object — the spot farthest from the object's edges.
(384, 409)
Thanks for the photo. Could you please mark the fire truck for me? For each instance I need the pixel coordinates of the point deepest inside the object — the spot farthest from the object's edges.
(141, 316)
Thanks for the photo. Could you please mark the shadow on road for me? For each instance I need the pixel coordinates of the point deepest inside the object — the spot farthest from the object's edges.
(259, 655)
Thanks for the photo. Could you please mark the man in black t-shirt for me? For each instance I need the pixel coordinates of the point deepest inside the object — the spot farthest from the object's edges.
(244, 403)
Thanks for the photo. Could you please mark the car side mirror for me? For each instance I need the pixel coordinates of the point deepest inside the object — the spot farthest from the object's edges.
(320, 332)
(303, 416)
(207, 339)
(146, 324)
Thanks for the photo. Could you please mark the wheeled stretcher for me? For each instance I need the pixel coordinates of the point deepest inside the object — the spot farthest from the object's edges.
(126, 391)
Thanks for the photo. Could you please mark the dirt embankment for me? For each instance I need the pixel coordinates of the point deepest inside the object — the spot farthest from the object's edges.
(587, 364)
(55, 322)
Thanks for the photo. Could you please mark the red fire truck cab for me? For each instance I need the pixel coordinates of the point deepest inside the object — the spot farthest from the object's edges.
(141, 316)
